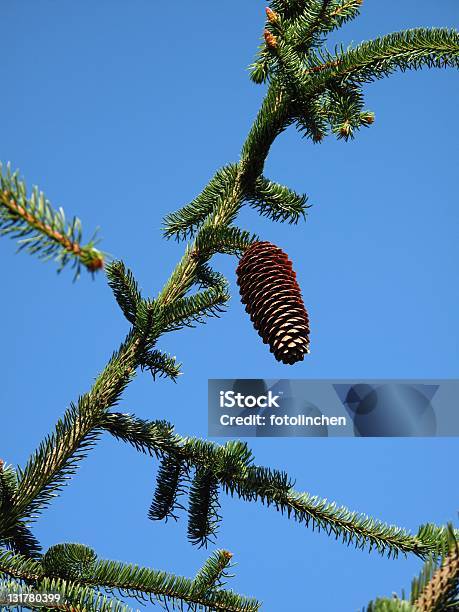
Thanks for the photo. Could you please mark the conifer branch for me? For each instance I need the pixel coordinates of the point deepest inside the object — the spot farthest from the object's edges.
(190, 310)
(15, 534)
(320, 17)
(213, 571)
(375, 59)
(41, 229)
(125, 289)
(129, 581)
(230, 240)
(233, 468)
(206, 277)
(203, 511)
(172, 475)
(57, 457)
(184, 222)
(78, 598)
(302, 26)
(278, 202)
(161, 364)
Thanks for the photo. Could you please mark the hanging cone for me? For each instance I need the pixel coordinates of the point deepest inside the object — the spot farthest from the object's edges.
(268, 288)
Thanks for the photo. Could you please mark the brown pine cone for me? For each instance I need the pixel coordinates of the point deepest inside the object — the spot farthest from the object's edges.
(268, 287)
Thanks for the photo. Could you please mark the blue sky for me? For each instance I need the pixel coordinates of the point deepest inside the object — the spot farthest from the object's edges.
(121, 112)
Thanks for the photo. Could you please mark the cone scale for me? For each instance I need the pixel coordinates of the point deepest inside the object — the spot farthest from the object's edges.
(268, 288)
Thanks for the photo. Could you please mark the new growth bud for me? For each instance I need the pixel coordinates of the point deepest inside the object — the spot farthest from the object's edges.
(271, 15)
(96, 262)
(318, 137)
(270, 39)
(367, 118)
(345, 129)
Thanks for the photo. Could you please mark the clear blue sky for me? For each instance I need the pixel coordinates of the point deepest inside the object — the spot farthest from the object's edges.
(121, 112)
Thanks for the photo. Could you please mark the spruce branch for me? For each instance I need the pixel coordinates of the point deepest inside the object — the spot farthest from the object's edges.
(213, 572)
(183, 223)
(306, 30)
(41, 229)
(230, 240)
(155, 438)
(14, 534)
(125, 289)
(58, 456)
(278, 202)
(192, 309)
(232, 467)
(172, 476)
(127, 579)
(375, 59)
(303, 26)
(207, 277)
(77, 598)
(161, 364)
(130, 580)
(148, 326)
(271, 120)
(319, 17)
(203, 510)
(344, 110)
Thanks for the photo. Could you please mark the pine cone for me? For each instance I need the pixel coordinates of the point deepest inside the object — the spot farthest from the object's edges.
(268, 287)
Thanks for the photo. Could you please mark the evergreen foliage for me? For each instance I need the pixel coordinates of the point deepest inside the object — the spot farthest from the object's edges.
(203, 511)
(125, 289)
(14, 534)
(83, 586)
(161, 364)
(317, 91)
(41, 229)
(172, 475)
(232, 466)
(277, 202)
(183, 223)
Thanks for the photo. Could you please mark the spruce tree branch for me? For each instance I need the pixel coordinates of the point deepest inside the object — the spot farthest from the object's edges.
(232, 465)
(125, 289)
(375, 59)
(57, 457)
(271, 120)
(184, 222)
(132, 580)
(278, 202)
(14, 535)
(213, 571)
(42, 229)
(73, 597)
